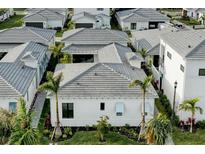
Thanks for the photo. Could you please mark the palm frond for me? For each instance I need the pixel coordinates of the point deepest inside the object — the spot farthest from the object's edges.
(47, 86)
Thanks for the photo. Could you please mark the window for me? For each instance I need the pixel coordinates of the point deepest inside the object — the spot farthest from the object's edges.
(169, 55)
(202, 72)
(133, 26)
(67, 109)
(100, 9)
(102, 106)
(12, 107)
(182, 68)
(119, 109)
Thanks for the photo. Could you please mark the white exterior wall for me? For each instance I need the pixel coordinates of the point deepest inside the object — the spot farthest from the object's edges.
(54, 23)
(171, 73)
(140, 25)
(93, 11)
(194, 85)
(87, 111)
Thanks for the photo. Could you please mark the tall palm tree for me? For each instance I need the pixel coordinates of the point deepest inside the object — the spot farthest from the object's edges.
(52, 85)
(158, 129)
(190, 106)
(23, 133)
(144, 85)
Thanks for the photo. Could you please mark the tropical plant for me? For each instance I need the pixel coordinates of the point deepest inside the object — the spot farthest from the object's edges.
(23, 133)
(143, 52)
(5, 124)
(56, 51)
(144, 85)
(65, 59)
(71, 25)
(158, 129)
(103, 127)
(68, 131)
(189, 105)
(52, 85)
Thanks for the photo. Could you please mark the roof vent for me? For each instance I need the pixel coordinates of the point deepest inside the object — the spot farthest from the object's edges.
(189, 46)
(96, 74)
(78, 83)
(23, 66)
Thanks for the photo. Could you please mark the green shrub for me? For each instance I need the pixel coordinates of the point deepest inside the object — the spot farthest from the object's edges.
(68, 131)
(102, 127)
(46, 132)
(200, 124)
(64, 136)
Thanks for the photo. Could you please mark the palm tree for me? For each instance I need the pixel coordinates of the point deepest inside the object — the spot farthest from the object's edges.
(144, 85)
(56, 51)
(143, 52)
(158, 129)
(23, 133)
(52, 85)
(190, 106)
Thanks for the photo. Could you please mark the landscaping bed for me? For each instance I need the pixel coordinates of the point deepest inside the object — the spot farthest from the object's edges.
(14, 21)
(89, 138)
(187, 138)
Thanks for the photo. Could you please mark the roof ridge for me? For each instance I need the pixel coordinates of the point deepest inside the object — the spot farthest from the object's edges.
(111, 68)
(112, 31)
(31, 30)
(94, 65)
(36, 13)
(10, 85)
(82, 29)
(193, 50)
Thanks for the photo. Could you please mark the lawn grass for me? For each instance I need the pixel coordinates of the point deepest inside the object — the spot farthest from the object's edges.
(89, 138)
(187, 138)
(189, 22)
(14, 21)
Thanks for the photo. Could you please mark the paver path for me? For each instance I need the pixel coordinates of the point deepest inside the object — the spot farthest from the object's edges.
(37, 108)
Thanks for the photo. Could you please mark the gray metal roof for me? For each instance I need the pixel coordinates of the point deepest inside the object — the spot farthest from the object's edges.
(95, 36)
(44, 15)
(15, 76)
(190, 43)
(88, 15)
(142, 14)
(102, 80)
(16, 54)
(59, 10)
(26, 34)
(82, 48)
(148, 39)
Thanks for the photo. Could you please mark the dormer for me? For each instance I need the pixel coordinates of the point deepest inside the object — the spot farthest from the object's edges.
(29, 60)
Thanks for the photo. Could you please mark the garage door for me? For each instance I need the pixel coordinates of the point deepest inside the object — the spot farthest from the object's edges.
(83, 25)
(34, 24)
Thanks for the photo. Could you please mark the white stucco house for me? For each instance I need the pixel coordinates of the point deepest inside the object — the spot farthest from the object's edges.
(91, 90)
(6, 13)
(195, 13)
(91, 18)
(21, 71)
(140, 19)
(182, 56)
(46, 17)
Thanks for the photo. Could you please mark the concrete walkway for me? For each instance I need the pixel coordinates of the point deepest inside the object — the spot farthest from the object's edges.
(37, 108)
